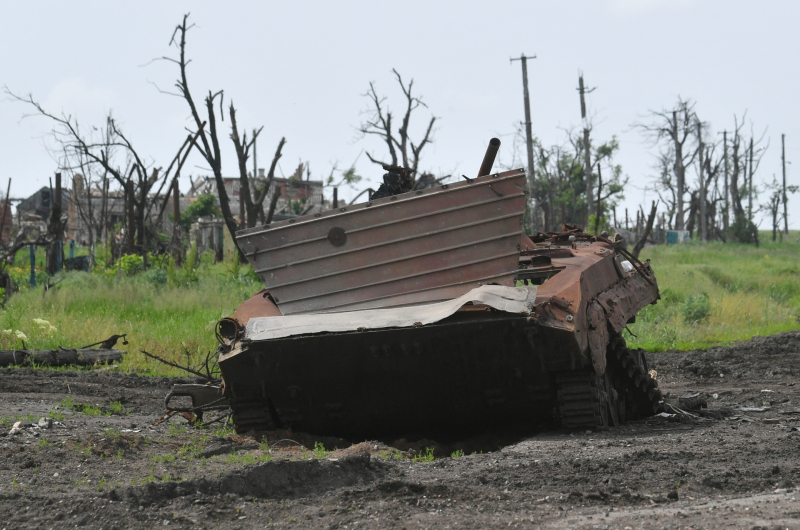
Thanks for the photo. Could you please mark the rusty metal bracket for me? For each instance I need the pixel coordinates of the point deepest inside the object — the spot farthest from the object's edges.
(204, 398)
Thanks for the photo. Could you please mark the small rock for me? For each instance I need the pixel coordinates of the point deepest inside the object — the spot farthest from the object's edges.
(16, 428)
(55, 474)
(673, 495)
(45, 423)
(771, 421)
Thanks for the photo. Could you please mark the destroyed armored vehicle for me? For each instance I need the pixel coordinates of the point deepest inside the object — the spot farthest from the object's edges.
(432, 313)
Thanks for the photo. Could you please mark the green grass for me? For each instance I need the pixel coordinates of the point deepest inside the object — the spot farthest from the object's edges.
(425, 456)
(719, 293)
(163, 311)
(712, 294)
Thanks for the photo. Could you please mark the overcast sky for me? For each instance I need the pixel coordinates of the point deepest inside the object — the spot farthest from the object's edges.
(300, 69)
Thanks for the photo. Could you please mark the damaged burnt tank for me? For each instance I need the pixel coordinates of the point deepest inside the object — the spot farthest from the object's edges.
(431, 313)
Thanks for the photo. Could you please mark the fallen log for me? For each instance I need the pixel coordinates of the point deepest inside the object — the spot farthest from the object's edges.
(60, 357)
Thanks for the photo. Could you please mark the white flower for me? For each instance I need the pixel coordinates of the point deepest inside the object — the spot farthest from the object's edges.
(52, 329)
(44, 324)
(8, 331)
(20, 335)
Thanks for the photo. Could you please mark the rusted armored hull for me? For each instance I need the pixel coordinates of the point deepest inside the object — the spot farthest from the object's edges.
(478, 369)
(430, 313)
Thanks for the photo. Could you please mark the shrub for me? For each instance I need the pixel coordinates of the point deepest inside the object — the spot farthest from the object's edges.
(157, 277)
(131, 264)
(696, 308)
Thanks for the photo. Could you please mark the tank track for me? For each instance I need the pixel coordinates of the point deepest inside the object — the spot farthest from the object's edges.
(625, 392)
(585, 401)
(252, 416)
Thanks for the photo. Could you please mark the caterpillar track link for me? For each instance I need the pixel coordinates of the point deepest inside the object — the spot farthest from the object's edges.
(625, 392)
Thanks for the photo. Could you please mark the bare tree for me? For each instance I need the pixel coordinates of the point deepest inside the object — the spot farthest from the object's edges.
(210, 148)
(403, 150)
(746, 155)
(774, 203)
(139, 173)
(209, 145)
(254, 204)
(672, 128)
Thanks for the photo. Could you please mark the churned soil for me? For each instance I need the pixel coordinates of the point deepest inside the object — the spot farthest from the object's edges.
(103, 464)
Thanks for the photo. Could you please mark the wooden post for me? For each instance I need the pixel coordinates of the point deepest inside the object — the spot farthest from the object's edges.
(783, 165)
(750, 186)
(131, 220)
(587, 152)
(335, 198)
(33, 266)
(528, 130)
(7, 204)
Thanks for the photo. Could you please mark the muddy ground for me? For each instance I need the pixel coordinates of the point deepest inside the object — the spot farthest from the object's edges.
(104, 465)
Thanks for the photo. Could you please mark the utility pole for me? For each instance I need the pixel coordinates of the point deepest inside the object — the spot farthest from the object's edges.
(703, 221)
(783, 164)
(528, 133)
(725, 160)
(587, 150)
(750, 186)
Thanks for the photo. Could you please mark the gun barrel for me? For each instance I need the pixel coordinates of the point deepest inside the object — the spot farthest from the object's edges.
(488, 158)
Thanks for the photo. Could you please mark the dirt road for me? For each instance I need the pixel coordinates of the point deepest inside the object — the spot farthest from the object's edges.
(104, 465)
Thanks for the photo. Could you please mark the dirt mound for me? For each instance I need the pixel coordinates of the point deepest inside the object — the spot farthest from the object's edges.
(760, 357)
(272, 480)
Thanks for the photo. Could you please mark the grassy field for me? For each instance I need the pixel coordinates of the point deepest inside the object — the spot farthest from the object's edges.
(720, 293)
(711, 294)
(165, 311)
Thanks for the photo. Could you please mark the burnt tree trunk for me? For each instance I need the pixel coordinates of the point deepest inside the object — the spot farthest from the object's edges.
(55, 230)
(647, 229)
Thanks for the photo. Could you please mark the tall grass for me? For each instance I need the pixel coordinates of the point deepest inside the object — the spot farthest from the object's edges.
(711, 294)
(163, 310)
(748, 291)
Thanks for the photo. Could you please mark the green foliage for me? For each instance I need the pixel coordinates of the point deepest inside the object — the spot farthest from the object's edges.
(190, 264)
(131, 264)
(425, 456)
(560, 183)
(203, 206)
(319, 450)
(743, 231)
(157, 276)
(696, 308)
(457, 454)
(90, 410)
